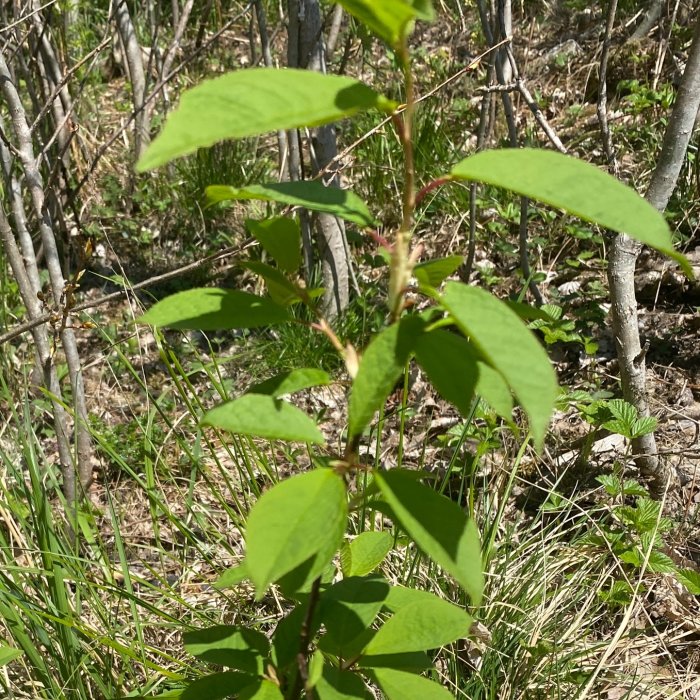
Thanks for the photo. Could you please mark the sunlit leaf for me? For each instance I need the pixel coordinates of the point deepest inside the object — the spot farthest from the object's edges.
(281, 238)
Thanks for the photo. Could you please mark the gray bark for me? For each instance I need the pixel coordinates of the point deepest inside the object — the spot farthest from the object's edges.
(137, 75)
(656, 7)
(306, 50)
(623, 256)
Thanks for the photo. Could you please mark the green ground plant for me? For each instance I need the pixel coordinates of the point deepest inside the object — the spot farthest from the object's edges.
(347, 626)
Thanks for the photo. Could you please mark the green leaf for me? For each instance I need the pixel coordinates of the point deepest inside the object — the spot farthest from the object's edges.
(493, 389)
(418, 627)
(265, 417)
(399, 685)
(335, 684)
(316, 664)
(690, 579)
(423, 9)
(502, 339)
(450, 363)
(8, 654)
(261, 690)
(401, 596)
(365, 553)
(285, 640)
(291, 382)
(413, 661)
(256, 101)
(380, 367)
(232, 577)
(433, 272)
(439, 526)
(281, 238)
(234, 647)
(217, 686)
(578, 187)
(348, 608)
(310, 194)
(292, 522)
(282, 290)
(387, 19)
(210, 309)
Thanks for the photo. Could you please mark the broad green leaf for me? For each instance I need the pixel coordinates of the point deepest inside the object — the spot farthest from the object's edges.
(492, 388)
(261, 690)
(401, 596)
(413, 661)
(348, 608)
(209, 309)
(690, 579)
(577, 187)
(439, 526)
(8, 654)
(310, 194)
(335, 684)
(293, 521)
(299, 581)
(291, 382)
(450, 363)
(232, 577)
(281, 238)
(238, 648)
(433, 272)
(281, 289)
(380, 367)
(419, 627)
(216, 686)
(399, 685)
(316, 664)
(285, 640)
(265, 417)
(501, 338)
(387, 19)
(365, 553)
(256, 101)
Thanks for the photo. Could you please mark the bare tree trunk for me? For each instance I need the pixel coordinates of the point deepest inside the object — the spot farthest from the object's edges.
(137, 76)
(656, 7)
(306, 50)
(35, 188)
(623, 256)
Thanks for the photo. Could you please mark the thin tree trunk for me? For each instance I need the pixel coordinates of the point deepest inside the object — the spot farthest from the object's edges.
(307, 51)
(623, 257)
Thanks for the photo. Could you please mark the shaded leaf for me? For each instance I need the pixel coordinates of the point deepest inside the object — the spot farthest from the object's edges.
(365, 553)
(433, 272)
(261, 690)
(310, 194)
(439, 526)
(281, 238)
(209, 309)
(291, 382)
(501, 338)
(292, 522)
(281, 289)
(256, 101)
(234, 647)
(380, 367)
(578, 187)
(335, 684)
(265, 417)
(216, 686)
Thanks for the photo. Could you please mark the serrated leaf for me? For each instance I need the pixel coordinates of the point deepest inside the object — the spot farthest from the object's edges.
(690, 579)
(291, 382)
(439, 526)
(310, 194)
(253, 102)
(8, 654)
(450, 363)
(575, 186)
(265, 417)
(335, 684)
(217, 686)
(433, 272)
(365, 553)
(238, 648)
(209, 309)
(387, 19)
(510, 348)
(281, 237)
(281, 289)
(632, 487)
(292, 522)
(380, 367)
(399, 685)
(610, 483)
(643, 426)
